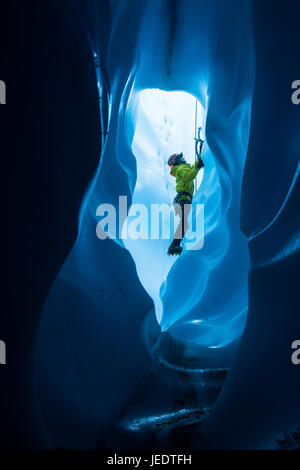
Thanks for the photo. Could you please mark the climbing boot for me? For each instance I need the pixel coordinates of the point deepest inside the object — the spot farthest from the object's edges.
(175, 248)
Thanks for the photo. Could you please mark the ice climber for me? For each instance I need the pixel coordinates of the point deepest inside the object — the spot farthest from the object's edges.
(185, 175)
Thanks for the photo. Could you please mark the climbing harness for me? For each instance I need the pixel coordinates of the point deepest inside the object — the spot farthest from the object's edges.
(180, 200)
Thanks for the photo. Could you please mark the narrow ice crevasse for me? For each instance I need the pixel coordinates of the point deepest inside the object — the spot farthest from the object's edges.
(165, 125)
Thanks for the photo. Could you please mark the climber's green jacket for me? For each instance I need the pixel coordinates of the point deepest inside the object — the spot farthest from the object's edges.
(185, 174)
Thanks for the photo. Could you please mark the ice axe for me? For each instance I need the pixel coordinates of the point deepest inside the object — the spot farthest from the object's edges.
(198, 143)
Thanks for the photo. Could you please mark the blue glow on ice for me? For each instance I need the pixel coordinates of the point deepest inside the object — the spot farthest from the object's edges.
(165, 124)
(166, 420)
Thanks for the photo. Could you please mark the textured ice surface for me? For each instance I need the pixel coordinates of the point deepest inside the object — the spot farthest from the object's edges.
(165, 124)
(97, 306)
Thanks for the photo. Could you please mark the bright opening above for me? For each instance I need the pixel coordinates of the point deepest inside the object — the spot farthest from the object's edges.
(165, 124)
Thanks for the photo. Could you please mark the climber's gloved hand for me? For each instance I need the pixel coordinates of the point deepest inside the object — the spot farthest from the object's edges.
(199, 163)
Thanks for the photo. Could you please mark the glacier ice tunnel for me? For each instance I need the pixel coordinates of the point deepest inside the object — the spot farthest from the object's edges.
(128, 336)
(184, 292)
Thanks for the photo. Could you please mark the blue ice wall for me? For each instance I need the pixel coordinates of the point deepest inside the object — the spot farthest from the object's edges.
(190, 60)
(261, 393)
(98, 291)
(164, 124)
(97, 306)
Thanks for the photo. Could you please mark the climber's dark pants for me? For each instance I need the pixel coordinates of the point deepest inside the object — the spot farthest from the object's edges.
(183, 210)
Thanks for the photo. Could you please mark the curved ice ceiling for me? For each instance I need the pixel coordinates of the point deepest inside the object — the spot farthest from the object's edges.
(164, 124)
(177, 45)
(202, 296)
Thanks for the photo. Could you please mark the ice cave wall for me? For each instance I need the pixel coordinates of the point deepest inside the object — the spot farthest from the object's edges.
(97, 304)
(184, 56)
